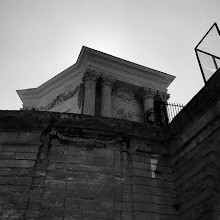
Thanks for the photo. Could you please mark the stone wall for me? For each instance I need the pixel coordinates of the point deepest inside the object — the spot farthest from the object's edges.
(194, 145)
(66, 166)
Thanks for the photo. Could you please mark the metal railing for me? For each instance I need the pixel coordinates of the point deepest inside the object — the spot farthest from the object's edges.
(172, 110)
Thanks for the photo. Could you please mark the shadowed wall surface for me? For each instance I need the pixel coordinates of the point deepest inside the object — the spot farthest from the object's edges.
(194, 146)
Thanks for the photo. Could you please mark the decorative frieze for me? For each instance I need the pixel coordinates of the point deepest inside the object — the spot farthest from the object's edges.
(124, 94)
(59, 99)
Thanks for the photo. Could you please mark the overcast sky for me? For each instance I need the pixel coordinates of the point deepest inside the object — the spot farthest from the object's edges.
(41, 38)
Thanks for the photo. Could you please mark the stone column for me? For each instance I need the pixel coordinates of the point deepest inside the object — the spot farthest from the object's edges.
(90, 79)
(106, 101)
(148, 98)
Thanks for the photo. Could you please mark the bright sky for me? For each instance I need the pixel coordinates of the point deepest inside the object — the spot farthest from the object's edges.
(41, 38)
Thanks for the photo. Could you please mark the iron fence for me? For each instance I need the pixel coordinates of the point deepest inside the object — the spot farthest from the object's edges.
(172, 110)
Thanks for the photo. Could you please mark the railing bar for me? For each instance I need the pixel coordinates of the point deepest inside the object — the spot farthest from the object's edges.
(173, 109)
(167, 112)
(170, 112)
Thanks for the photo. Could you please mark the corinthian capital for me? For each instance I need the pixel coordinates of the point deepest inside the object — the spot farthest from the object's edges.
(164, 96)
(107, 80)
(91, 75)
(148, 93)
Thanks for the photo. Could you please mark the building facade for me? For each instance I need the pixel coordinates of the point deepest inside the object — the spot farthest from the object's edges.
(100, 85)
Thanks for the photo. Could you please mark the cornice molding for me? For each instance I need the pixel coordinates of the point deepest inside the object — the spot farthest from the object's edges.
(124, 63)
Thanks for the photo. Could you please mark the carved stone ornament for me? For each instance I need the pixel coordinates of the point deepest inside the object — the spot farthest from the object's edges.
(164, 96)
(156, 115)
(87, 142)
(147, 92)
(107, 80)
(60, 98)
(91, 75)
(52, 133)
(150, 117)
(124, 94)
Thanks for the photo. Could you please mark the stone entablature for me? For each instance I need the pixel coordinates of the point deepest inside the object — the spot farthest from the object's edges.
(99, 81)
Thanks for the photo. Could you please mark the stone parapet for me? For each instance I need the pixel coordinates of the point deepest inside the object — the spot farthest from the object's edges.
(164, 96)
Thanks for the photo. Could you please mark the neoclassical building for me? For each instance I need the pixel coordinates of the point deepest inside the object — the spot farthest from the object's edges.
(101, 85)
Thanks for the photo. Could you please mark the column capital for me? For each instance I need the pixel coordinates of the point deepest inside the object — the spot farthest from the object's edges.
(91, 75)
(107, 80)
(164, 96)
(148, 92)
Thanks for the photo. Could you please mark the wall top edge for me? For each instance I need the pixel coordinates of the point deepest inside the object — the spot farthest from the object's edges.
(30, 120)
